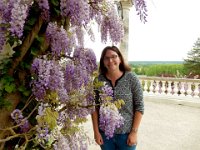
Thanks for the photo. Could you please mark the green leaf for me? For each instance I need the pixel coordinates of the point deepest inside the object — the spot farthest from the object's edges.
(7, 79)
(12, 40)
(22, 88)
(10, 87)
(32, 21)
(34, 51)
(17, 53)
(27, 28)
(57, 11)
(50, 118)
(55, 2)
(4, 103)
(40, 39)
(3, 81)
(27, 66)
(26, 93)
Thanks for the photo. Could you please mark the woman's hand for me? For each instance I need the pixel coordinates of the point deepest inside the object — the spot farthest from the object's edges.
(98, 138)
(132, 139)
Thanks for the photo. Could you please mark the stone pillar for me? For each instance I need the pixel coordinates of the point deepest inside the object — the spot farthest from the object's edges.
(126, 5)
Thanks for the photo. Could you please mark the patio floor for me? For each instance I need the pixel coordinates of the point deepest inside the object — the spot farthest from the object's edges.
(165, 127)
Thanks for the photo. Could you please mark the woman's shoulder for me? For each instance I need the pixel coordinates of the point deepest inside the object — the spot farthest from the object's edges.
(130, 74)
(100, 77)
(132, 78)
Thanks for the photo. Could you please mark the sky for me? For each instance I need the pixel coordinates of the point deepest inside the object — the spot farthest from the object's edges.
(172, 29)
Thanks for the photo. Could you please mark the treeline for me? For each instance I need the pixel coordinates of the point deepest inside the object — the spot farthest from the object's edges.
(165, 70)
(189, 68)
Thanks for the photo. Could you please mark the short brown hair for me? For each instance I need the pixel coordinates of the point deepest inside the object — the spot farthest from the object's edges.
(123, 66)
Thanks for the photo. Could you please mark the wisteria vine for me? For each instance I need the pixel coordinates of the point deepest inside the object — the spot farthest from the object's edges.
(47, 73)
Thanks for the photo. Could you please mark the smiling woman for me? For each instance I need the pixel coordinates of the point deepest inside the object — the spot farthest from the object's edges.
(117, 75)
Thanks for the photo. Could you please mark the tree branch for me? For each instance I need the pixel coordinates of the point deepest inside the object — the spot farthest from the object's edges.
(26, 45)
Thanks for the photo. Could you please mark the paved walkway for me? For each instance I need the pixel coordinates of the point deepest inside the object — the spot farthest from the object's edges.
(165, 127)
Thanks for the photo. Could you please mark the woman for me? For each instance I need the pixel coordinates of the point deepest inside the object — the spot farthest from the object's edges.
(126, 86)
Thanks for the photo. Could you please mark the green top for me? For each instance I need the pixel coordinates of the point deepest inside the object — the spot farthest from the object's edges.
(128, 88)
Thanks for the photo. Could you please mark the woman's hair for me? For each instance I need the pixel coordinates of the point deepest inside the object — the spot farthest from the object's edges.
(123, 66)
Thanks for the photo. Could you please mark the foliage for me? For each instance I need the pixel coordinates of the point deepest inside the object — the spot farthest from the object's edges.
(47, 70)
(192, 62)
(168, 70)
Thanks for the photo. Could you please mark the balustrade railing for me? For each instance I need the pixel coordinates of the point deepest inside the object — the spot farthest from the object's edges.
(171, 86)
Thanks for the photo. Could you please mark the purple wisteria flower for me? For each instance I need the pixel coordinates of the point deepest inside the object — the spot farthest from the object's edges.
(107, 90)
(80, 36)
(2, 37)
(60, 41)
(48, 76)
(18, 16)
(86, 58)
(44, 6)
(90, 33)
(79, 72)
(43, 133)
(5, 10)
(141, 8)
(95, 12)
(78, 10)
(106, 93)
(91, 61)
(110, 119)
(18, 117)
(25, 126)
(62, 143)
(111, 26)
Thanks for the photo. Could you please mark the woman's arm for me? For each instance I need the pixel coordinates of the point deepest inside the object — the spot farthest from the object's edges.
(97, 135)
(138, 103)
(132, 138)
(136, 121)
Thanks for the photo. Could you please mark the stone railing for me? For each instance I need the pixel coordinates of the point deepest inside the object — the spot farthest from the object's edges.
(181, 87)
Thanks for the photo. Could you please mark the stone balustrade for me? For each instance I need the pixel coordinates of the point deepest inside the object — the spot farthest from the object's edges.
(181, 87)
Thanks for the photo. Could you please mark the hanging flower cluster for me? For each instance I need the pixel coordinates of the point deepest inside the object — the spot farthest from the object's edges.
(112, 26)
(109, 116)
(141, 8)
(110, 119)
(48, 72)
(19, 119)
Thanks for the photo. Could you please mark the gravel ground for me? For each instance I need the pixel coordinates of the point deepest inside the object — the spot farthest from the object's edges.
(165, 127)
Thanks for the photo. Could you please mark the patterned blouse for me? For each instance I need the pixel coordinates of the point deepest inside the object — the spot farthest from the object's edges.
(128, 88)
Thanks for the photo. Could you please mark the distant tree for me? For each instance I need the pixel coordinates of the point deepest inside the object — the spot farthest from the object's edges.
(192, 62)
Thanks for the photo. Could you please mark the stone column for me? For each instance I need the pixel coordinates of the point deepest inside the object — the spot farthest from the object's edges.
(126, 5)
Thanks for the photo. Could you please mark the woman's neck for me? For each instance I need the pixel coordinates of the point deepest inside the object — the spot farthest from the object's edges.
(114, 75)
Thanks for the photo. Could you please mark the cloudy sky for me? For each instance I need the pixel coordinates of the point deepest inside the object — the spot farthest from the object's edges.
(172, 29)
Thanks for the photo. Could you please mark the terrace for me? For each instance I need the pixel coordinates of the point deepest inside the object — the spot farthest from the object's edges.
(171, 119)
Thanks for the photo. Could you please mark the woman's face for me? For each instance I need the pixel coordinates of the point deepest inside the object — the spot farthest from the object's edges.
(111, 60)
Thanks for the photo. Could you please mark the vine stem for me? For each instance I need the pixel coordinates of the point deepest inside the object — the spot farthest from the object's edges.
(26, 45)
(28, 102)
(16, 126)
